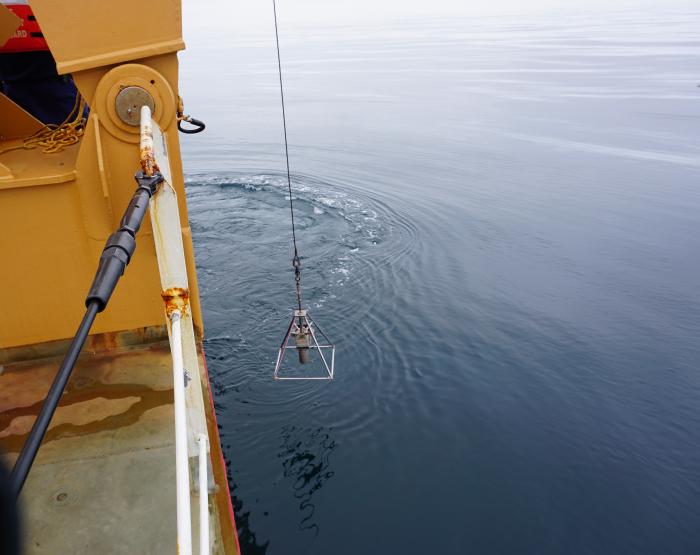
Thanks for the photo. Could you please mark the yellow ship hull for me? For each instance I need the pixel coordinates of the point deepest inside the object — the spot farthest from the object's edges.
(103, 480)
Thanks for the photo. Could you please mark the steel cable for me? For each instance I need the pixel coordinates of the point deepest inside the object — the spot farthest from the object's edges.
(296, 263)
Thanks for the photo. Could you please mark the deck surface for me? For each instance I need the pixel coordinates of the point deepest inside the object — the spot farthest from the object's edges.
(104, 479)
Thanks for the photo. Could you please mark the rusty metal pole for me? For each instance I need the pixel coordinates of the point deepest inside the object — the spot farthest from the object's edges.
(190, 422)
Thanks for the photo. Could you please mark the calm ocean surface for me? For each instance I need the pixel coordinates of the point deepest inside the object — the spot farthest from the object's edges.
(499, 220)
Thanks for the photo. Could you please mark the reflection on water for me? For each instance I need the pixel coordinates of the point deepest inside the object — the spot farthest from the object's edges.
(306, 460)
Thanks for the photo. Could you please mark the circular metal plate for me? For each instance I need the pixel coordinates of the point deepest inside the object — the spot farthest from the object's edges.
(126, 76)
(129, 102)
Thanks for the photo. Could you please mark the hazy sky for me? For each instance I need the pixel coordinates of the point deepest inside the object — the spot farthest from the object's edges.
(247, 15)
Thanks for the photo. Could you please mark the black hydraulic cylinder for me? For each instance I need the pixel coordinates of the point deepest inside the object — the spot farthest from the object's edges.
(115, 257)
(121, 244)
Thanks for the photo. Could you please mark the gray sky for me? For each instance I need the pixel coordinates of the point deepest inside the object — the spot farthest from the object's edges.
(246, 16)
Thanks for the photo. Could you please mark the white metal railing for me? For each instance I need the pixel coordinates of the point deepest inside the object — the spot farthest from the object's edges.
(182, 465)
(191, 436)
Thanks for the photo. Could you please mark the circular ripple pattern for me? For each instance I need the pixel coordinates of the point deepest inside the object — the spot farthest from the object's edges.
(354, 248)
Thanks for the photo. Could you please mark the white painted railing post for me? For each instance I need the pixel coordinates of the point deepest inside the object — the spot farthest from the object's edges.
(191, 436)
(182, 466)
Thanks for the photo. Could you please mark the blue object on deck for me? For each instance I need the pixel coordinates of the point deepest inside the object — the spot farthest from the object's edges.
(30, 79)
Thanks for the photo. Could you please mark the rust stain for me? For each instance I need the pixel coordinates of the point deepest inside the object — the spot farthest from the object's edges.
(176, 298)
(105, 342)
(98, 343)
(111, 341)
(148, 161)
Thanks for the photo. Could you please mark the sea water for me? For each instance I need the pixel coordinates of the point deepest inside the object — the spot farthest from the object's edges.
(499, 223)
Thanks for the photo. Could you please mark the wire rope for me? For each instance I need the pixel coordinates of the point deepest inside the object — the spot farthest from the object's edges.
(296, 263)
